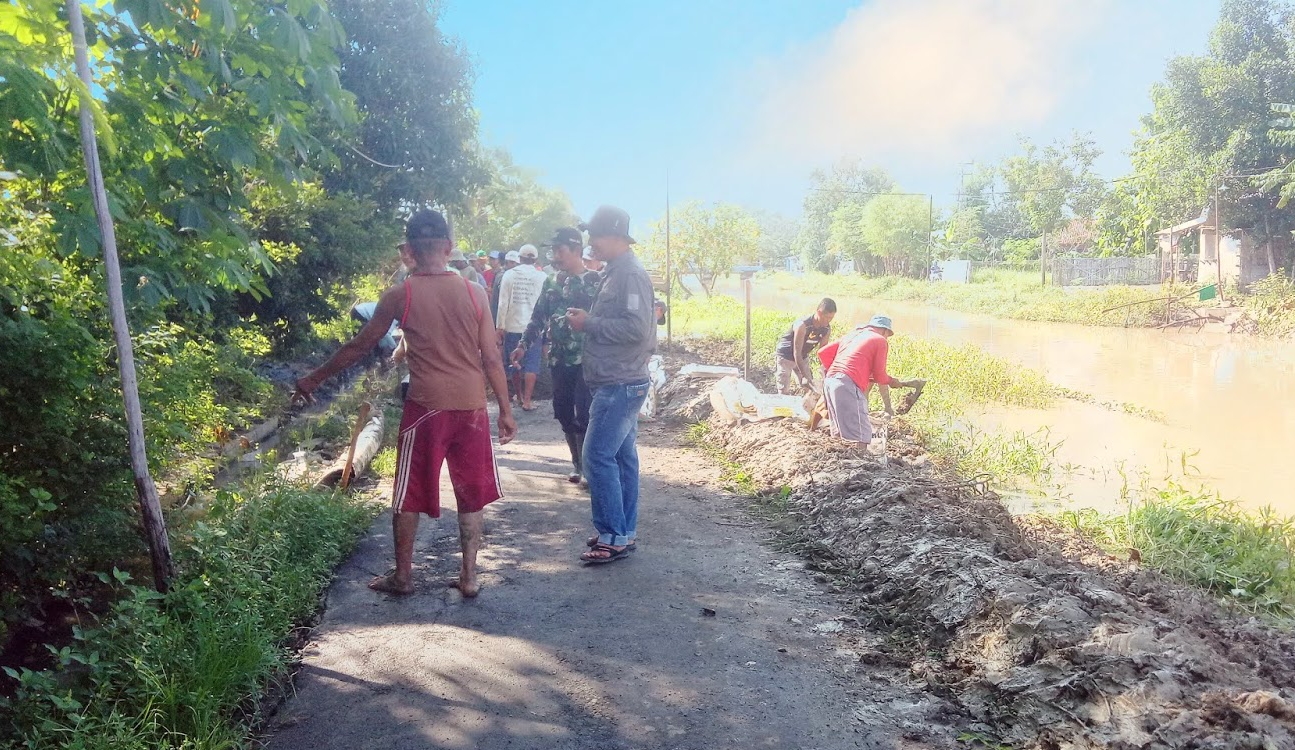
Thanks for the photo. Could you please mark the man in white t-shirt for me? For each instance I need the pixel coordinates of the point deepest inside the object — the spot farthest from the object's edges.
(518, 294)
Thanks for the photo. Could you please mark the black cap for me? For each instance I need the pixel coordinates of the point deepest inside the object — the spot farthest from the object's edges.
(569, 236)
(609, 221)
(427, 225)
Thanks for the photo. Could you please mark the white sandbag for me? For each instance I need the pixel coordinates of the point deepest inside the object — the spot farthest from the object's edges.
(713, 372)
(656, 381)
(775, 406)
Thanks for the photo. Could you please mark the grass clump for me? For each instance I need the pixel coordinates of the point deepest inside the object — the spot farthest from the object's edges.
(733, 476)
(384, 464)
(1199, 538)
(187, 670)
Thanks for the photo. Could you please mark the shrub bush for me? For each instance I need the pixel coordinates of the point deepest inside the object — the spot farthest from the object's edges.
(187, 670)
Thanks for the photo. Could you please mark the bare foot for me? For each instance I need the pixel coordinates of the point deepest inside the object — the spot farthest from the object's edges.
(469, 589)
(389, 585)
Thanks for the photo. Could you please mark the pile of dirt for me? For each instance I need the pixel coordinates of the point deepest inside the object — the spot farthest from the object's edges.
(1043, 640)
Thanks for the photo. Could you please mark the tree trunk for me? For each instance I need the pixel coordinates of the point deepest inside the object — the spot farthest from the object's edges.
(1268, 244)
(149, 505)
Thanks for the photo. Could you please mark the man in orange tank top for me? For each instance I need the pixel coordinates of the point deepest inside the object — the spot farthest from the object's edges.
(451, 349)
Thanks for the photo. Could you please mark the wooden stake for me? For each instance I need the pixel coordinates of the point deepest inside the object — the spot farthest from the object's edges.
(150, 506)
(360, 421)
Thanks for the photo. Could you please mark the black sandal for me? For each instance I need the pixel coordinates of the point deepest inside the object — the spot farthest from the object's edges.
(592, 542)
(613, 554)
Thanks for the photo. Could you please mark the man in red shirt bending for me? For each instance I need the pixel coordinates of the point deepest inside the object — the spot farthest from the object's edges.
(860, 361)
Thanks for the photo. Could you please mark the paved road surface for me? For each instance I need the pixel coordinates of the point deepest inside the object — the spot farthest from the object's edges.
(556, 655)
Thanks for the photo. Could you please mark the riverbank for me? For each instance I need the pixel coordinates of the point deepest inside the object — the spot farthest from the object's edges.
(1178, 525)
(1269, 309)
(1039, 636)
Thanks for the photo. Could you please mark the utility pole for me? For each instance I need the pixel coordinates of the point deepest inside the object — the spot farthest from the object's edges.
(930, 237)
(149, 505)
(1218, 240)
(669, 282)
(1043, 258)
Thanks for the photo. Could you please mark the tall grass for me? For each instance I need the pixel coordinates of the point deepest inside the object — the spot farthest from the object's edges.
(1199, 538)
(186, 670)
(1002, 293)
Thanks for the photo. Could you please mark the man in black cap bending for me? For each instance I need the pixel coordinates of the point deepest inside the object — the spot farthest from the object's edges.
(620, 336)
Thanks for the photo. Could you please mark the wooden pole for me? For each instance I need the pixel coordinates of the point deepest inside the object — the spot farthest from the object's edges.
(669, 269)
(1043, 259)
(150, 506)
(348, 468)
(746, 287)
(930, 237)
(1218, 245)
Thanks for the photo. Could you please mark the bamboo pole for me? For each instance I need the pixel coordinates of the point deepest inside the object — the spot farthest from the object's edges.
(150, 506)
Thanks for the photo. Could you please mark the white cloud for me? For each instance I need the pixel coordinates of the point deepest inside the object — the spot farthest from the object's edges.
(924, 80)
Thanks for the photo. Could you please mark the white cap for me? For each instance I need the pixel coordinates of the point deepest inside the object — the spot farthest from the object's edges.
(512, 256)
(528, 251)
(588, 253)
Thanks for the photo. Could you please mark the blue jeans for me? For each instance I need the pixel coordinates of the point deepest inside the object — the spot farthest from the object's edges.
(611, 461)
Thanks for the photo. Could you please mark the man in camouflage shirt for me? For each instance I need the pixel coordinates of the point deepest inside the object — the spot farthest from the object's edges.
(572, 286)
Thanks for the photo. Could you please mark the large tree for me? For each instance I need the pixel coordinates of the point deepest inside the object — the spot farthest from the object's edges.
(705, 241)
(1050, 185)
(1282, 178)
(1210, 125)
(845, 182)
(413, 88)
(194, 102)
(509, 208)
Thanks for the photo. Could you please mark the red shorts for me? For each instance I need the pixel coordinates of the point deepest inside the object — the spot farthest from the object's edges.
(428, 438)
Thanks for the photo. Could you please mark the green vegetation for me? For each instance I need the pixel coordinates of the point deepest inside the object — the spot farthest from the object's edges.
(188, 670)
(1272, 306)
(734, 478)
(258, 159)
(1192, 536)
(707, 242)
(1005, 294)
(958, 378)
(384, 464)
(1199, 538)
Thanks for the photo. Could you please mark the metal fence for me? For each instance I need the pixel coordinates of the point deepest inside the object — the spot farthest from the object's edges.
(1105, 271)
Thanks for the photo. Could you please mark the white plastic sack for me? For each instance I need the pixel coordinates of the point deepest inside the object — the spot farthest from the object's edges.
(775, 406)
(656, 381)
(707, 371)
(731, 396)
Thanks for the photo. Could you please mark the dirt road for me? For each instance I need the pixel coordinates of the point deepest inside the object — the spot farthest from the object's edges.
(626, 655)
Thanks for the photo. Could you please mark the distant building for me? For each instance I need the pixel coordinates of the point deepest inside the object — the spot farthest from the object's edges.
(1231, 260)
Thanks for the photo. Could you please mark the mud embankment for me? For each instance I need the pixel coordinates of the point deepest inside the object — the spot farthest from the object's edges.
(1039, 638)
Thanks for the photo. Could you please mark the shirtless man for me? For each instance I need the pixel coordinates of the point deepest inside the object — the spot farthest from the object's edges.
(452, 351)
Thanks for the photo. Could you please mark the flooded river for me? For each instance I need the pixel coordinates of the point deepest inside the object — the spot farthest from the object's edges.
(1228, 401)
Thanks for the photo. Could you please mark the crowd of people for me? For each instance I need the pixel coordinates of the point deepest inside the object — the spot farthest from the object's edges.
(467, 323)
(492, 319)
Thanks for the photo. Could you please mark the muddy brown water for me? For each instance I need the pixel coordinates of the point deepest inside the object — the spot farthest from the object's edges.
(1228, 400)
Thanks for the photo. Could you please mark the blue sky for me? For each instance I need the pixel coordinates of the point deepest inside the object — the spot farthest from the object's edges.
(741, 100)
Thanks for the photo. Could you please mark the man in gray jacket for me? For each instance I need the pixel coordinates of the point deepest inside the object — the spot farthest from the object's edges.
(620, 336)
